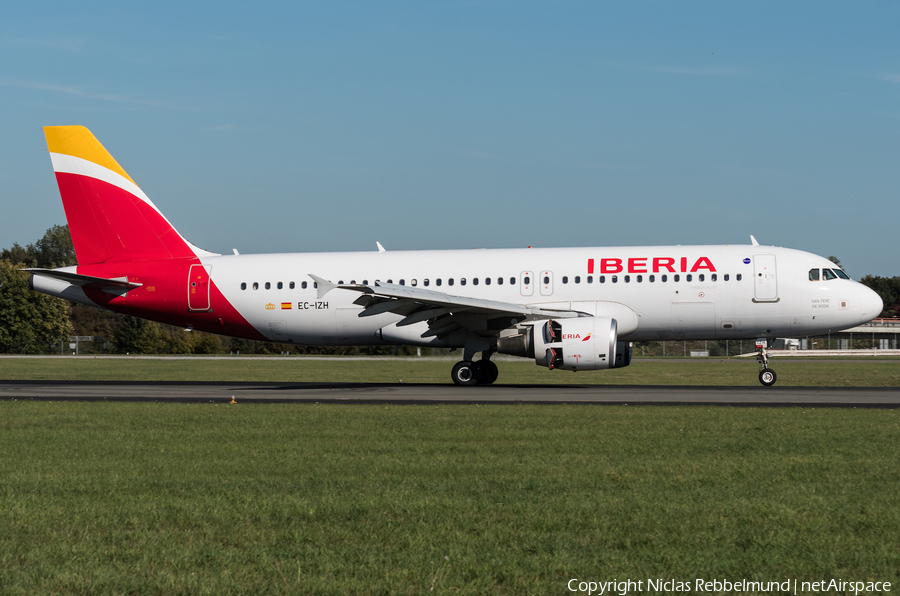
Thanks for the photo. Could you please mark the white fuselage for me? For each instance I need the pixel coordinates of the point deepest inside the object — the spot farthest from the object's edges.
(654, 292)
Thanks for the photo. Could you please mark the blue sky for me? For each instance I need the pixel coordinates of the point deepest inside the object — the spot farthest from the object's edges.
(327, 126)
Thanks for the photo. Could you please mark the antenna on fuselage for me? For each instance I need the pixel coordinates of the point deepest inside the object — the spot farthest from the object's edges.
(380, 248)
(753, 241)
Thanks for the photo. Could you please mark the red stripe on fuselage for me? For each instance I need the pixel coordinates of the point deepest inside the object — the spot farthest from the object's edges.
(163, 297)
(111, 224)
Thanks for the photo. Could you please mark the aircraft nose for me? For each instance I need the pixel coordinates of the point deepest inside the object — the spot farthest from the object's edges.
(870, 304)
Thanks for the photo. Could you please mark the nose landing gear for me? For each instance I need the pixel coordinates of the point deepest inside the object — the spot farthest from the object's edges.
(767, 376)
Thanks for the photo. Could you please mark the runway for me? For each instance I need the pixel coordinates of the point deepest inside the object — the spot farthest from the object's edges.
(398, 393)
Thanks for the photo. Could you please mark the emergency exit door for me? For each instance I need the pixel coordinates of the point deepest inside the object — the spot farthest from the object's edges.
(526, 283)
(198, 287)
(546, 280)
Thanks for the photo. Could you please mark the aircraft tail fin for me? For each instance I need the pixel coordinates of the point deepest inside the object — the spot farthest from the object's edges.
(110, 218)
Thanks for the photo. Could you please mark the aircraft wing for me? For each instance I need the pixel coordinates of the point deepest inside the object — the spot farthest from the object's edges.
(444, 312)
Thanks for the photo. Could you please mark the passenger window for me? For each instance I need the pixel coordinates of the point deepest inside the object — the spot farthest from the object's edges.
(499, 281)
(615, 279)
(527, 280)
(512, 281)
(813, 275)
(664, 278)
(652, 278)
(676, 278)
(590, 279)
(565, 279)
(414, 282)
(474, 281)
(280, 286)
(437, 282)
(603, 279)
(303, 285)
(726, 277)
(546, 279)
(268, 286)
(365, 282)
(390, 281)
(828, 274)
(450, 282)
(578, 279)
(402, 282)
(487, 281)
(701, 277)
(462, 281)
(341, 282)
(738, 277)
(640, 278)
(243, 285)
(690, 277)
(255, 286)
(292, 285)
(425, 282)
(713, 277)
(627, 279)
(352, 282)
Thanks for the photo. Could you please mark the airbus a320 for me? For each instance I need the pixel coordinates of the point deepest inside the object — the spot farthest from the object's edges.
(575, 309)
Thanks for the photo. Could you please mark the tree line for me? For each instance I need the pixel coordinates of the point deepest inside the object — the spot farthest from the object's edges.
(34, 323)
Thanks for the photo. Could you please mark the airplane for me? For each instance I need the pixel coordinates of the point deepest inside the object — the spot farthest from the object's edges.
(575, 309)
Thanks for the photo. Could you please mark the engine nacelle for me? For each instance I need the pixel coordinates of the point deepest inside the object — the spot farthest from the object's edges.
(584, 343)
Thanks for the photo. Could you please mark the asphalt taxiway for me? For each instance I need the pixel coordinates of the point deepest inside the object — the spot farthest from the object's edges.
(401, 393)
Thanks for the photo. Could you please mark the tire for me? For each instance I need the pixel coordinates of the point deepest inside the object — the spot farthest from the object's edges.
(487, 372)
(767, 377)
(464, 373)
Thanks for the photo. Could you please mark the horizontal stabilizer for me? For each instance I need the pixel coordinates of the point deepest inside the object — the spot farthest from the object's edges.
(118, 285)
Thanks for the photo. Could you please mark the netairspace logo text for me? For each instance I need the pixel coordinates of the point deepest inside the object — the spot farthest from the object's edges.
(718, 586)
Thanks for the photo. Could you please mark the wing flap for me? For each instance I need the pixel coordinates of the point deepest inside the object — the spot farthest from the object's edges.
(401, 296)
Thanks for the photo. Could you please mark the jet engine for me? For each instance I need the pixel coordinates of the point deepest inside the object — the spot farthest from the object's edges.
(583, 343)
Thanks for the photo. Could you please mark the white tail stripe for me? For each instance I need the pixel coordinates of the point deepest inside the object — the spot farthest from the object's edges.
(69, 164)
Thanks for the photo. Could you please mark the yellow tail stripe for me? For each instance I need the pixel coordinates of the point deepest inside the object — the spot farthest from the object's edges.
(78, 141)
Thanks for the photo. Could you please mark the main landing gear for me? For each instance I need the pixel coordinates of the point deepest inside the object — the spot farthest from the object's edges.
(478, 372)
(767, 376)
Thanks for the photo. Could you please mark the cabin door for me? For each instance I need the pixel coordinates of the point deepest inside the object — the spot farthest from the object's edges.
(765, 284)
(198, 287)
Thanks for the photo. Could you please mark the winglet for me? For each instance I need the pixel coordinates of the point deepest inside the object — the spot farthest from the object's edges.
(753, 241)
(323, 285)
(380, 248)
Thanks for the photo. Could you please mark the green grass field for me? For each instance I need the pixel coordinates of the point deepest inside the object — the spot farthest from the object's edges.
(859, 372)
(147, 498)
(126, 498)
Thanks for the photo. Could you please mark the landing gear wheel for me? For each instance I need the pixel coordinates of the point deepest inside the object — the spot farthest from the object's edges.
(464, 373)
(486, 371)
(767, 377)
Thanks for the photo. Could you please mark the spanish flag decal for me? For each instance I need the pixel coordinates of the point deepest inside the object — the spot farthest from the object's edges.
(286, 306)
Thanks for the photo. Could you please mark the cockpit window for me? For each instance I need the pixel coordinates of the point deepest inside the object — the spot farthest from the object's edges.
(813, 275)
(828, 274)
(842, 274)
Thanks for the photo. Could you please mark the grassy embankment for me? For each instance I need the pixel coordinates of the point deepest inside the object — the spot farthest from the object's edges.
(314, 499)
(857, 372)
